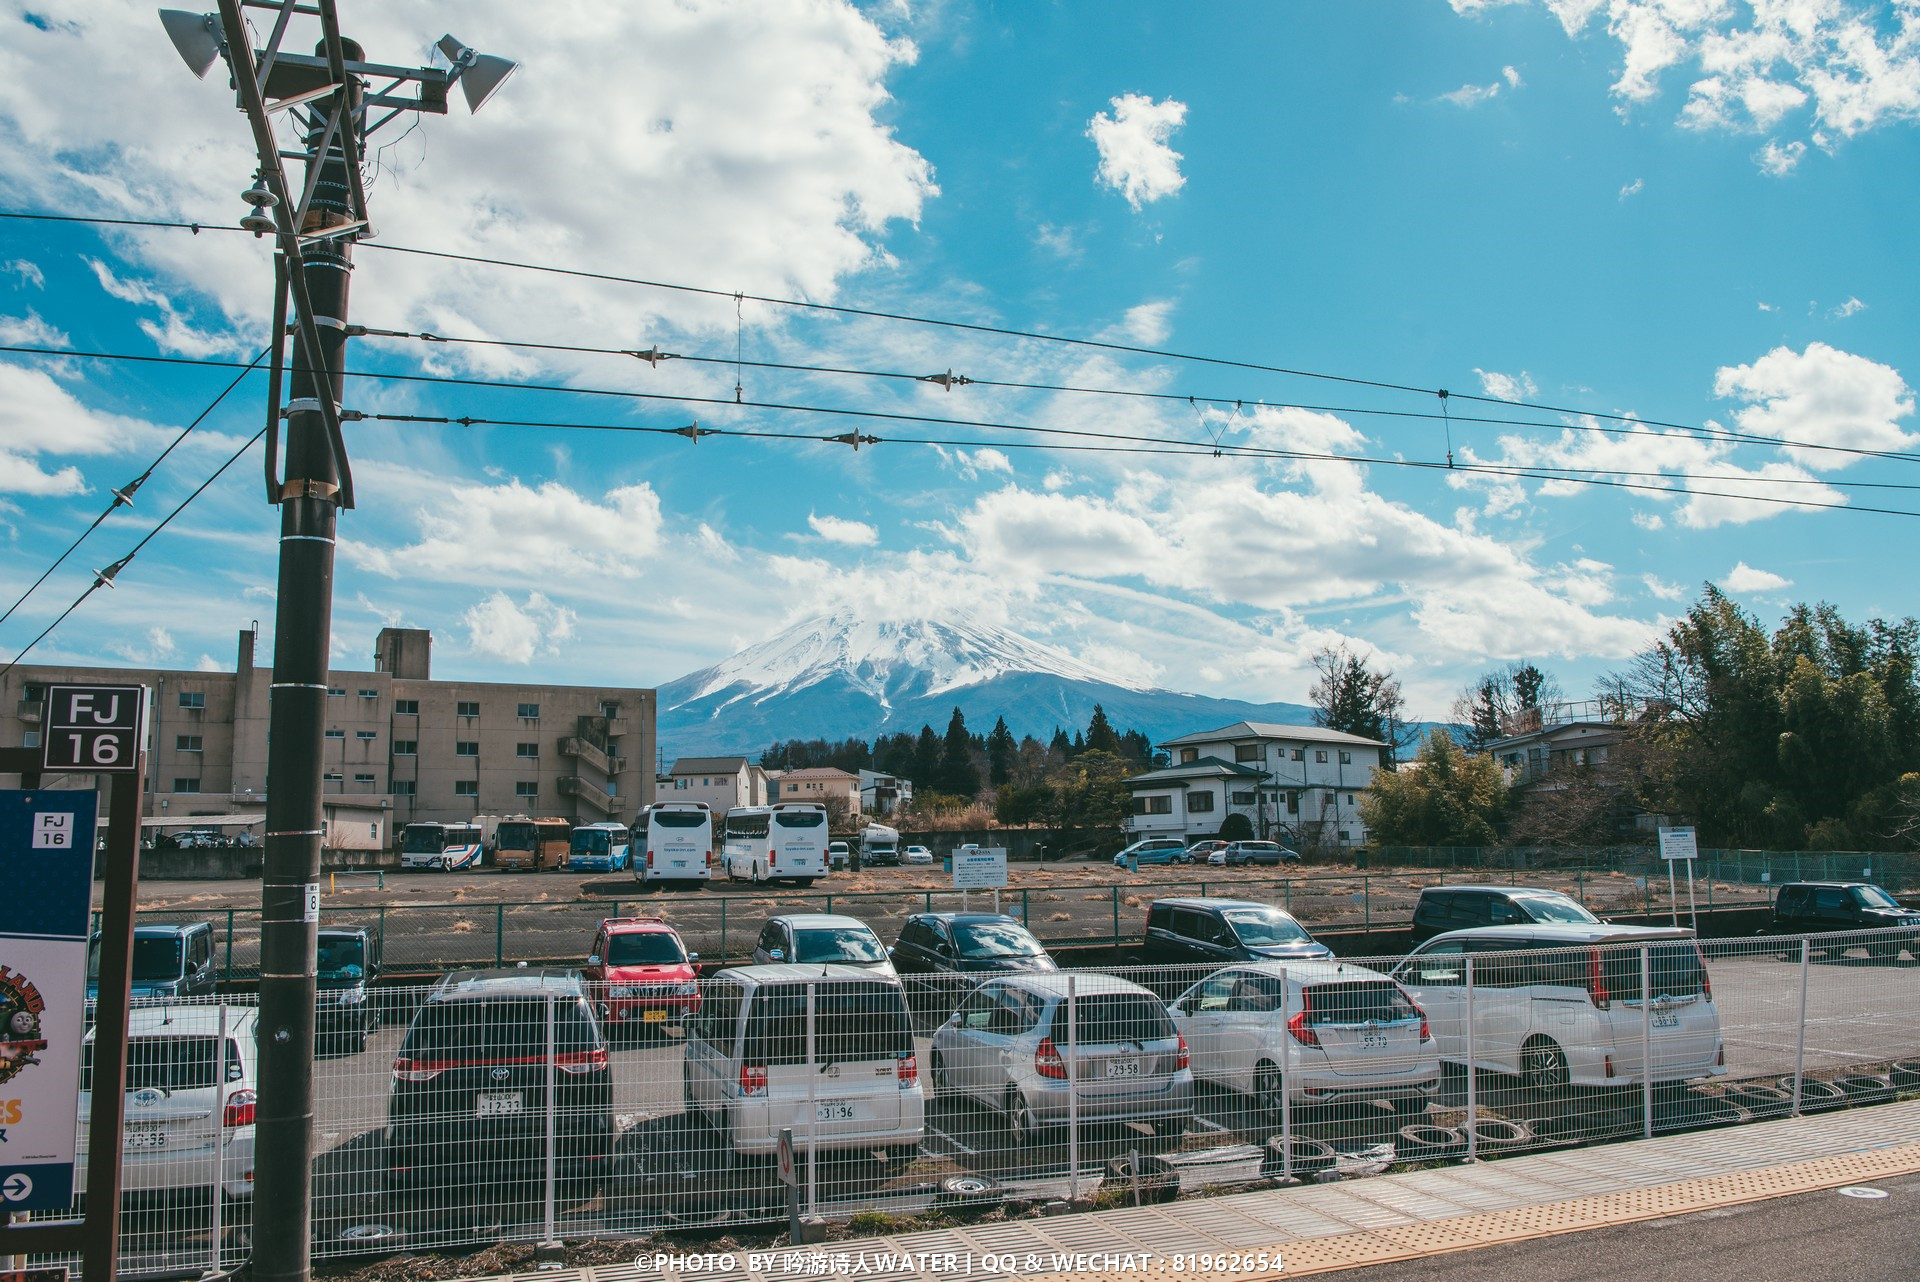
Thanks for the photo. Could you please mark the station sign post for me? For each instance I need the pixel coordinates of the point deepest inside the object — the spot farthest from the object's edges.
(1677, 845)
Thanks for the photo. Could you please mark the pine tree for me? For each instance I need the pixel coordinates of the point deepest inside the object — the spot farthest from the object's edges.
(1100, 733)
(958, 775)
(1000, 753)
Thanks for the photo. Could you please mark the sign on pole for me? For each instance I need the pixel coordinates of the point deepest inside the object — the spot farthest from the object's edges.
(975, 868)
(1678, 843)
(46, 865)
(93, 729)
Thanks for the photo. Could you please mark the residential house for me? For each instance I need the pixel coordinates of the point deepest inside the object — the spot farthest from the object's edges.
(819, 783)
(724, 783)
(884, 795)
(1293, 783)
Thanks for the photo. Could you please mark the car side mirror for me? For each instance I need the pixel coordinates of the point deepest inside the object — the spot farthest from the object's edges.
(778, 954)
(593, 960)
(692, 957)
(956, 1019)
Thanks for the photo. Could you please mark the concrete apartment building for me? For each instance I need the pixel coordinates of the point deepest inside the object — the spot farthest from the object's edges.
(396, 739)
(722, 782)
(1300, 780)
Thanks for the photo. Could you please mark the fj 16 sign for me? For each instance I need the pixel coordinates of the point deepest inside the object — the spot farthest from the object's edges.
(46, 864)
(93, 729)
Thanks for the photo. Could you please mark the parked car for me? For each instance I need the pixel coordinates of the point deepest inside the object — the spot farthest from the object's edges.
(347, 962)
(188, 1096)
(1152, 850)
(1562, 1004)
(1253, 852)
(839, 855)
(1018, 1044)
(942, 955)
(173, 960)
(640, 974)
(1325, 1032)
(468, 1102)
(1443, 908)
(918, 855)
(816, 938)
(1201, 852)
(747, 1073)
(1823, 907)
(1214, 932)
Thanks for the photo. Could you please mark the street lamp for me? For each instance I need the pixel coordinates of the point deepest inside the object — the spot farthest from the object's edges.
(329, 94)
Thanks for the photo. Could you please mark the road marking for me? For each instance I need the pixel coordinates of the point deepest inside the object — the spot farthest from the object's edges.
(964, 1149)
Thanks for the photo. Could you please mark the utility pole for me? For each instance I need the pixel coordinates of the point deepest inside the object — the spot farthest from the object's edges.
(314, 235)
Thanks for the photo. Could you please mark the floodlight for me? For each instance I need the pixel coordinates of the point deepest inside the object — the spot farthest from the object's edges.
(479, 74)
(196, 35)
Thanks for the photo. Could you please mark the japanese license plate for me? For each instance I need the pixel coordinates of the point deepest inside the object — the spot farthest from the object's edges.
(498, 1104)
(146, 1137)
(835, 1111)
(1373, 1040)
(653, 1017)
(1123, 1068)
(1666, 1019)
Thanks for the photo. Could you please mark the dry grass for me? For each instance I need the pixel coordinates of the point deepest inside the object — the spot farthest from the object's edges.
(1060, 917)
(461, 927)
(1131, 901)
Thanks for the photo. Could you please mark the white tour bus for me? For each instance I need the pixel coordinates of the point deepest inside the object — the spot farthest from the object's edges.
(786, 841)
(673, 841)
(445, 846)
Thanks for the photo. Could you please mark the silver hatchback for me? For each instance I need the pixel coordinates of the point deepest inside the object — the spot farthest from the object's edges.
(1110, 1054)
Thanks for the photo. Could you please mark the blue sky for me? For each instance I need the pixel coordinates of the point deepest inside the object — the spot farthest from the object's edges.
(1678, 211)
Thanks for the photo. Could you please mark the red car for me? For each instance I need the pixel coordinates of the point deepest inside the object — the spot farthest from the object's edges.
(641, 974)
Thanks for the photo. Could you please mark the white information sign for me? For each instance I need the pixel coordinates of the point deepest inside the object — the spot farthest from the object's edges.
(978, 868)
(1678, 843)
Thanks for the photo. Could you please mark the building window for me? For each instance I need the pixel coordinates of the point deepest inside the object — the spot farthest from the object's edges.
(531, 711)
(1189, 755)
(402, 788)
(466, 787)
(363, 778)
(466, 747)
(334, 692)
(609, 708)
(330, 777)
(465, 709)
(369, 694)
(186, 743)
(1247, 752)
(1199, 803)
(406, 707)
(336, 734)
(1293, 803)
(680, 785)
(1320, 756)
(1352, 800)
(1153, 805)
(1241, 799)
(366, 734)
(1346, 758)
(527, 789)
(405, 747)
(187, 785)
(1299, 754)
(526, 750)
(193, 698)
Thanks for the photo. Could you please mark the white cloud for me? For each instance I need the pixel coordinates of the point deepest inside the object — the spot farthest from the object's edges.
(1822, 396)
(1777, 161)
(1507, 387)
(40, 417)
(29, 273)
(835, 529)
(1150, 323)
(1473, 95)
(1852, 307)
(31, 331)
(153, 648)
(535, 535)
(1061, 242)
(1659, 587)
(1135, 159)
(207, 663)
(1633, 188)
(499, 629)
(1744, 578)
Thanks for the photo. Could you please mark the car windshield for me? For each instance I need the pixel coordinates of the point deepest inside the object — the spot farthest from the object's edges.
(588, 842)
(1359, 1002)
(800, 818)
(1114, 1017)
(1265, 927)
(851, 1022)
(1555, 908)
(1873, 897)
(498, 1028)
(156, 958)
(1675, 969)
(169, 1063)
(678, 819)
(644, 948)
(979, 939)
(341, 961)
(837, 943)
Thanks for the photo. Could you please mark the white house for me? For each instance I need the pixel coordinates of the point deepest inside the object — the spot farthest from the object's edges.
(722, 782)
(1299, 782)
(818, 783)
(884, 794)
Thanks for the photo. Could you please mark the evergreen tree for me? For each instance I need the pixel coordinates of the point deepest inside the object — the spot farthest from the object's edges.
(1100, 733)
(958, 776)
(926, 760)
(1351, 697)
(1001, 751)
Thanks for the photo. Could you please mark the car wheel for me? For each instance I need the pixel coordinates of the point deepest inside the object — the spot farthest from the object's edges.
(1268, 1089)
(1020, 1121)
(942, 1085)
(1543, 1067)
(753, 874)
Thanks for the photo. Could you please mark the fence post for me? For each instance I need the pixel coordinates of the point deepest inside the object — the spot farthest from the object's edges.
(1286, 1087)
(229, 979)
(1026, 913)
(723, 930)
(219, 1103)
(1073, 1093)
(1580, 886)
(1800, 1038)
(1366, 901)
(813, 1102)
(1116, 916)
(1646, 1041)
(553, 1107)
(499, 934)
(1473, 1106)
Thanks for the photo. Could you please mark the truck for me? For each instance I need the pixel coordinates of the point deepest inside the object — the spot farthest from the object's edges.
(879, 846)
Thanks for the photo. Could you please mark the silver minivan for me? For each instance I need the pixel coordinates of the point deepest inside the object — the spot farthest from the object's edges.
(1563, 1004)
(748, 1073)
(1326, 1032)
(1018, 1045)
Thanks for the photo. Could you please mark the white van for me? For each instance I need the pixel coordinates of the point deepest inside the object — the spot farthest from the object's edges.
(673, 841)
(786, 841)
(747, 1073)
(1562, 1004)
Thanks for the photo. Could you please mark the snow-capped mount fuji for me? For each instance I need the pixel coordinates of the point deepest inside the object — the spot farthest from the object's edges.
(839, 676)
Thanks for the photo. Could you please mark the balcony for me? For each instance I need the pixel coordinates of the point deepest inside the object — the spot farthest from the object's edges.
(31, 712)
(584, 750)
(616, 726)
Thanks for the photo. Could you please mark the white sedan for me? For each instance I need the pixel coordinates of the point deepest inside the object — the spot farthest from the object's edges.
(189, 1102)
(918, 855)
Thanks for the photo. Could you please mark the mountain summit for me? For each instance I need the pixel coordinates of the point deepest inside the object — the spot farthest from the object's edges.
(840, 676)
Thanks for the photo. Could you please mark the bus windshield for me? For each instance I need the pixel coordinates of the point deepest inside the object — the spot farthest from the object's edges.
(587, 841)
(515, 836)
(678, 818)
(800, 818)
(424, 839)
